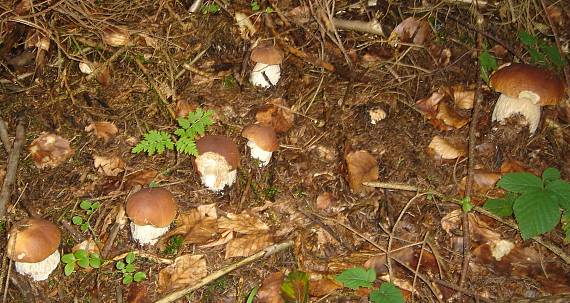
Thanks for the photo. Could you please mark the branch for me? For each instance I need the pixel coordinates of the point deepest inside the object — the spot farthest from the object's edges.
(12, 167)
(372, 27)
(4, 136)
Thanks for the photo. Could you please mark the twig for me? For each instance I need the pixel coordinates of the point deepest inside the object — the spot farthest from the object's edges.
(195, 6)
(4, 136)
(397, 186)
(557, 40)
(372, 27)
(120, 221)
(145, 255)
(12, 168)
(74, 233)
(268, 251)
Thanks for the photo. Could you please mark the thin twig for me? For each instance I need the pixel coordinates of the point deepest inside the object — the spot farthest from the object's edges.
(372, 27)
(4, 136)
(12, 168)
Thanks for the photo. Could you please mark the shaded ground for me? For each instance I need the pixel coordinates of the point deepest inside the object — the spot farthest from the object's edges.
(203, 58)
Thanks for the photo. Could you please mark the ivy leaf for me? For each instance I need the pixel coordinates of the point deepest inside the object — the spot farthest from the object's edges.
(139, 276)
(354, 278)
(387, 293)
(68, 258)
(520, 182)
(295, 287)
(561, 190)
(536, 212)
(69, 269)
(502, 207)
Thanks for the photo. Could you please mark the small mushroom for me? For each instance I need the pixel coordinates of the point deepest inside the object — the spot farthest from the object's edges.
(217, 161)
(262, 141)
(524, 89)
(151, 211)
(267, 70)
(33, 246)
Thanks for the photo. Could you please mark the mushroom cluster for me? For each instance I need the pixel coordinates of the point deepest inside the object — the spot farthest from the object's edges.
(33, 246)
(217, 161)
(267, 70)
(151, 211)
(262, 141)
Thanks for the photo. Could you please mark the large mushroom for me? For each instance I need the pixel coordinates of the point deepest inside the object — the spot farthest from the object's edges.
(217, 161)
(151, 211)
(33, 246)
(524, 89)
(262, 142)
(267, 70)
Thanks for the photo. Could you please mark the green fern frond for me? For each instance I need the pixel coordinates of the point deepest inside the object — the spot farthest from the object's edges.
(187, 145)
(154, 142)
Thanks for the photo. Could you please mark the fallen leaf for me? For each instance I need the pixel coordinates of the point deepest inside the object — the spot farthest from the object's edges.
(186, 270)
(138, 293)
(183, 108)
(483, 180)
(140, 178)
(103, 130)
(88, 245)
(246, 27)
(450, 117)
(247, 245)
(446, 148)
(362, 167)
(50, 150)
(323, 287)
(451, 221)
(479, 231)
(104, 76)
(325, 201)
(412, 30)
(300, 14)
(243, 223)
(270, 290)
(225, 238)
(277, 115)
(109, 166)
(86, 67)
(429, 105)
(513, 166)
(198, 225)
(499, 50)
(441, 55)
(462, 97)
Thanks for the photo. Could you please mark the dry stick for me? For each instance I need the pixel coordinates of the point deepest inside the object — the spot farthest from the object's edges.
(4, 136)
(557, 40)
(372, 27)
(12, 168)
(268, 251)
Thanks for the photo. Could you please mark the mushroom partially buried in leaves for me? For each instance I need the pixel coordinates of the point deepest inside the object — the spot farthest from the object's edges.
(524, 89)
(267, 70)
(33, 246)
(151, 211)
(262, 142)
(217, 161)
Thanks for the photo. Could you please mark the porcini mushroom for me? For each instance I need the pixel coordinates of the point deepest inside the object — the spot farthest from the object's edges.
(267, 70)
(33, 246)
(217, 161)
(524, 89)
(151, 211)
(262, 142)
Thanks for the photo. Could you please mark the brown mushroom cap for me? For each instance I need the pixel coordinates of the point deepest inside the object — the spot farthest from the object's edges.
(513, 79)
(267, 55)
(152, 206)
(32, 240)
(262, 136)
(220, 145)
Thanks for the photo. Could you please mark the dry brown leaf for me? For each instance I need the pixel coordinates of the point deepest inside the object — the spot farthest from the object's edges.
(225, 238)
(446, 148)
(277, 115)
(325, 201)
(452, 221)
(323, 287)
(270, 290)
(463, 98)
(499, 51)
(243, 223)
(103, 130)
(50, 150)
(186, 270)
(138, 293)
(183, 108)
(362, 167)
(88, 245)
(109, 166)
(198, 225)
(479, 230)
(513, 166)
(300, 14)
(482, 180)
(450, 117)
(441, 55)
(429, 105)
(247, 245)
(104, 75)
(412, 30)
(140, 178)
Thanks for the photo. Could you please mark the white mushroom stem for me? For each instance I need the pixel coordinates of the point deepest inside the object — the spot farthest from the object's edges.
(258, 153)
(147, 234)
(273, 73)
(41, 270)
(215, 171)
(526, 105)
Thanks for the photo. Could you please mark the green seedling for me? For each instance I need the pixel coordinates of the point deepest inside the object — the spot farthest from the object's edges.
(174, 244)
(252, 295)
(189, 128)
(254, 6)
(89, 209)
(541, 51)
(487, 64)
(81, 258)
(359, 277)
(466, 204)
(210, 8)
(535, 202)
(128, 269)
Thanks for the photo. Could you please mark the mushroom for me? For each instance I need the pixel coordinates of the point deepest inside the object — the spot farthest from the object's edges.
(32, 245)
(262, 141)
(217, 160)
(524, 89)
(151, 211)
(267, 70)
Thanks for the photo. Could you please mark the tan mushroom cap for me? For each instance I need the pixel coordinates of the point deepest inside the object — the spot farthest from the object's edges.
(267, 55)
(32, 240)
(220, 145)
(152, 206)
(513, 79)
(262, 136)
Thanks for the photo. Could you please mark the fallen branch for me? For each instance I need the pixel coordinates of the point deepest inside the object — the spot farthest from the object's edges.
(371, 27)
(4, 136)
(268, 251)
(12, 167)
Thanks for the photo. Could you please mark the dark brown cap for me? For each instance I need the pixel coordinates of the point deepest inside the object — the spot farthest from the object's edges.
(220, 145)
(33, 240)
(262, 136)
(267, 55)
(513, 79)
(152, 206)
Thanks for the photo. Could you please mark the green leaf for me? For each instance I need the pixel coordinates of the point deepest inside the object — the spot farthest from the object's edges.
(354, 278)
(254, 6)
(502, 207)
(520, 182)
(552, 53)
(561, 190)
(130, 258)
(68, 258)
(187, 146)
(269, 10)
(387, 293)
(550, 174)
(488, 64)
(69, 269)
(139, 276)
(252, 294)
(466, 204)
(127, 279)
(83, 262)
(536, 212)
(295, 287)
(84, 227)
(527, 39)
(130, 268)
(120, 265)
(536, 56)
(85, 205)
(81, 254)
(95, 260)
(77, 220)
(154, 142)
(95, 205)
